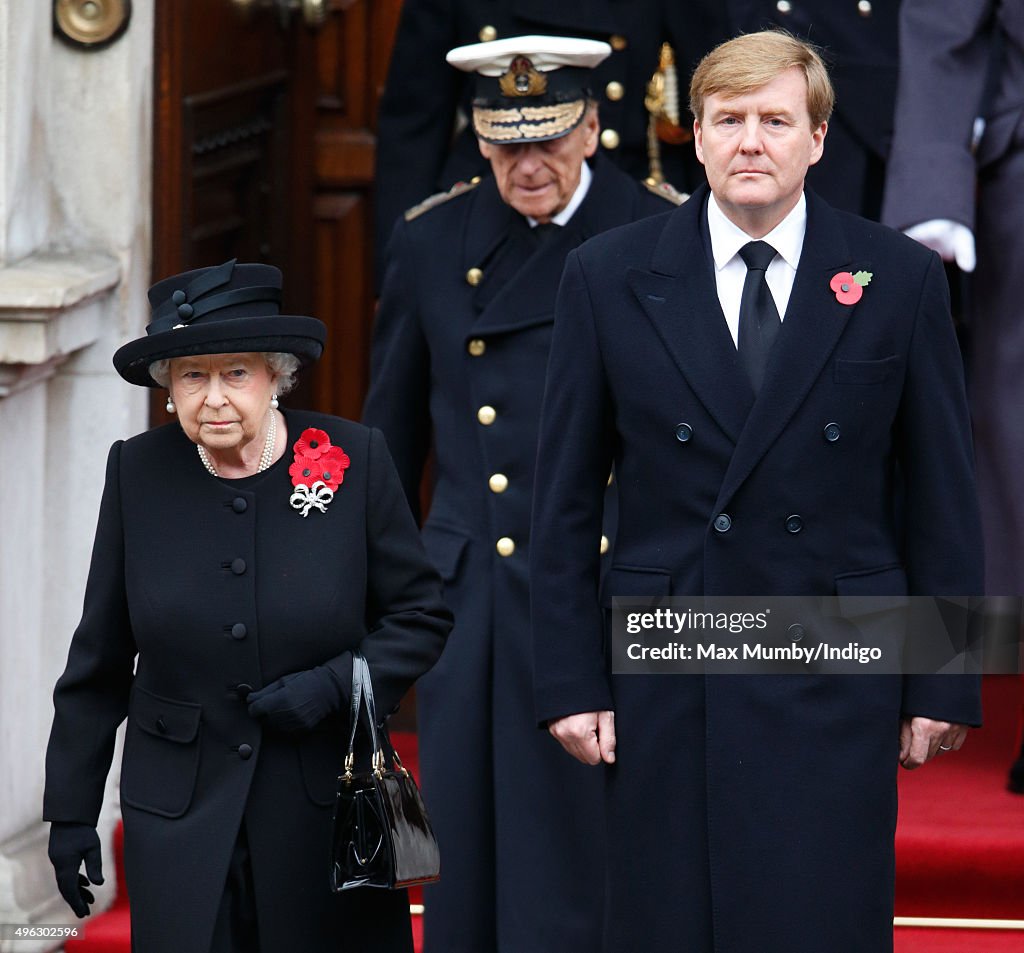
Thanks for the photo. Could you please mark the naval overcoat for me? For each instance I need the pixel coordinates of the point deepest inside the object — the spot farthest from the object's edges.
(462, 365)
(750, 813)
(215, 586)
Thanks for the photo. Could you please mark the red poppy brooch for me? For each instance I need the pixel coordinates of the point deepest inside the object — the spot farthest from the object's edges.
(317, 471)
(849, 287)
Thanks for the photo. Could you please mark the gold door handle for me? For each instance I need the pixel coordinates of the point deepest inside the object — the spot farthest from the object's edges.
(314, 12)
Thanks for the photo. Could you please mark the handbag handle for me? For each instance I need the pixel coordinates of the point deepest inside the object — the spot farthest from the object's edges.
(362, 700)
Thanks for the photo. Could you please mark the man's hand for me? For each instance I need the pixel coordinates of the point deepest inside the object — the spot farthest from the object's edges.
(953, 241)
(922, 738)
(589, 737)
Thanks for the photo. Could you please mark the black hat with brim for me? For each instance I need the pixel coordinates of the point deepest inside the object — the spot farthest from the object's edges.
(224, 310)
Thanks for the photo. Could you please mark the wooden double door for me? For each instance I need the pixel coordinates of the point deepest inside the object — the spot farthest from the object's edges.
(263, 149)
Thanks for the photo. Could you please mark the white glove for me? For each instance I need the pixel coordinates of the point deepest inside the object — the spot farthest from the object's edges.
(953, 241)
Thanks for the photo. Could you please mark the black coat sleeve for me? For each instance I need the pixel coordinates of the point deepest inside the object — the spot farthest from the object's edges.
(91, 697)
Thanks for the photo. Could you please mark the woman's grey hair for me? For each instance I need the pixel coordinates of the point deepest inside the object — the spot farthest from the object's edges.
(284, 365)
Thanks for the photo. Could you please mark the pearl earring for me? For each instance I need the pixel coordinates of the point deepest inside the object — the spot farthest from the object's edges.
(274, 403)
(169, 407)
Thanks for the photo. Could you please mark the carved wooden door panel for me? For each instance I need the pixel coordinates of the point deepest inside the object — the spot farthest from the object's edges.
(263, 150)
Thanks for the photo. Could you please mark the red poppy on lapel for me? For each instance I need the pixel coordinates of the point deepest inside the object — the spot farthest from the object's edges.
(850, 287)
(317, 470)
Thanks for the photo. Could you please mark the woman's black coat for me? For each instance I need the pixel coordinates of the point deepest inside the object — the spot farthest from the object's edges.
(217, 586)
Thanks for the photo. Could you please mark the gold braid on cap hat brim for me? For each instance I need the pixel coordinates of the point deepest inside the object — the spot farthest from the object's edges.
(527, 122)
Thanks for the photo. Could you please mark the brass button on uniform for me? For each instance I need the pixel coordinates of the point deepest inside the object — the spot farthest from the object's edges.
(498, 483)
(505, 546)
(475, 180)
(605, 544)
(476, 347)
(474, 276)
(864, 8)
(611, 477)
(784, 6)
(610, 139)
(615, 91)
(487, 34)
(486, 415)
(617, 42)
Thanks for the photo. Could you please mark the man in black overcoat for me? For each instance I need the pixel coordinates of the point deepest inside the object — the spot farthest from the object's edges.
(762, 417)
(460, 347)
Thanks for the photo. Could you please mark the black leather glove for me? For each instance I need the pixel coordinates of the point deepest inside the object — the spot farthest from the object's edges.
(70, 845)
(297, 702)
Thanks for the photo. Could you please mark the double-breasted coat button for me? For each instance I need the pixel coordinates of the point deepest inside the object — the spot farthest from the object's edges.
(610, 139)
(242, 690)
(476, 347)
(723, 522)
(161, 725)
(832, 432)
(683, 432)
(784, 6)
(486, 415)
(474, 276)
(239, 504)
(617, 42)
(245, 752)
(238, 566)
(487, 34)
(796, 631)
(239, 631)
(864, 8)
(498, 483)
(615, 91)
(505, 546)
(794, 523)
(605, 545)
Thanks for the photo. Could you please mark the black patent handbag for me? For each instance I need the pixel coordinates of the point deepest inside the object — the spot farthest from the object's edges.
(381, 832)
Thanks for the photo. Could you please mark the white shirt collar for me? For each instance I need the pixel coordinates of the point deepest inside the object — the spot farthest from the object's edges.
(586, 177)
(727, 238)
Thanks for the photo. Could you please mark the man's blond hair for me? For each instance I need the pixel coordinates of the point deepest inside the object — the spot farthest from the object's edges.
(750, 61)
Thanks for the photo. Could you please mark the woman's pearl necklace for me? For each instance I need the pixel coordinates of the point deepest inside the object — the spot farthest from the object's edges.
(265, 457)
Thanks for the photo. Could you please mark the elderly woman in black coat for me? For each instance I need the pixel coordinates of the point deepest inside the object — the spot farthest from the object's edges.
(240, 558)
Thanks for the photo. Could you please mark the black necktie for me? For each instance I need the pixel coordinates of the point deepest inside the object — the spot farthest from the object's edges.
(544, 231)
(759, 318)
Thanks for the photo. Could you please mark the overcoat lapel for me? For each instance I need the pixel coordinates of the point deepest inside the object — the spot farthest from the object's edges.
(680, 298)
(814, 322)
(516, 304)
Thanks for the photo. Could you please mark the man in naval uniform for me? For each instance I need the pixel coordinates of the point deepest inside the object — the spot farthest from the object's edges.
(768, 376)
(459, 353)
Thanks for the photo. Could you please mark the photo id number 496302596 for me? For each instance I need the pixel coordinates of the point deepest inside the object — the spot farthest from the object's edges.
(37, 931)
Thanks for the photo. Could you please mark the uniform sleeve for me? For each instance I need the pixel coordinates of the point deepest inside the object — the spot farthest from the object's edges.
(407, 620)
(416, 116)
(398, 402)
(91, 697)
(574, 455)
(944, 551)
(945, 52)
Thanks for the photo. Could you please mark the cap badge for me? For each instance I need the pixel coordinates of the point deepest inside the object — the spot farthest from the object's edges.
(521, 79)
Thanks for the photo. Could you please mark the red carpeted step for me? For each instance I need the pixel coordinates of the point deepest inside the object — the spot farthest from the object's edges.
(960, 839)
(921, 940)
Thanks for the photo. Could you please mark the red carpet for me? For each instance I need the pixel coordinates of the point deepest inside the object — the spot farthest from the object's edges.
(959, 844)
(960, 839)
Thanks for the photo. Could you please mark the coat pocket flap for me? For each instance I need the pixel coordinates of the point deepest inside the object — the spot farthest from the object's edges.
(171, 720)
(866, 372)
(872, 590)
(625, 583)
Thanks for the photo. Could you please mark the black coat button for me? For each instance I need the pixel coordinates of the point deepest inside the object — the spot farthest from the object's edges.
(683, 432)
(245, 752)
(239, 504)
(161, 725)
(239, 631)
(796, 631)
(242, 690)
(794, 523)
(832, 432)
(723, 522)
(238, 566)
